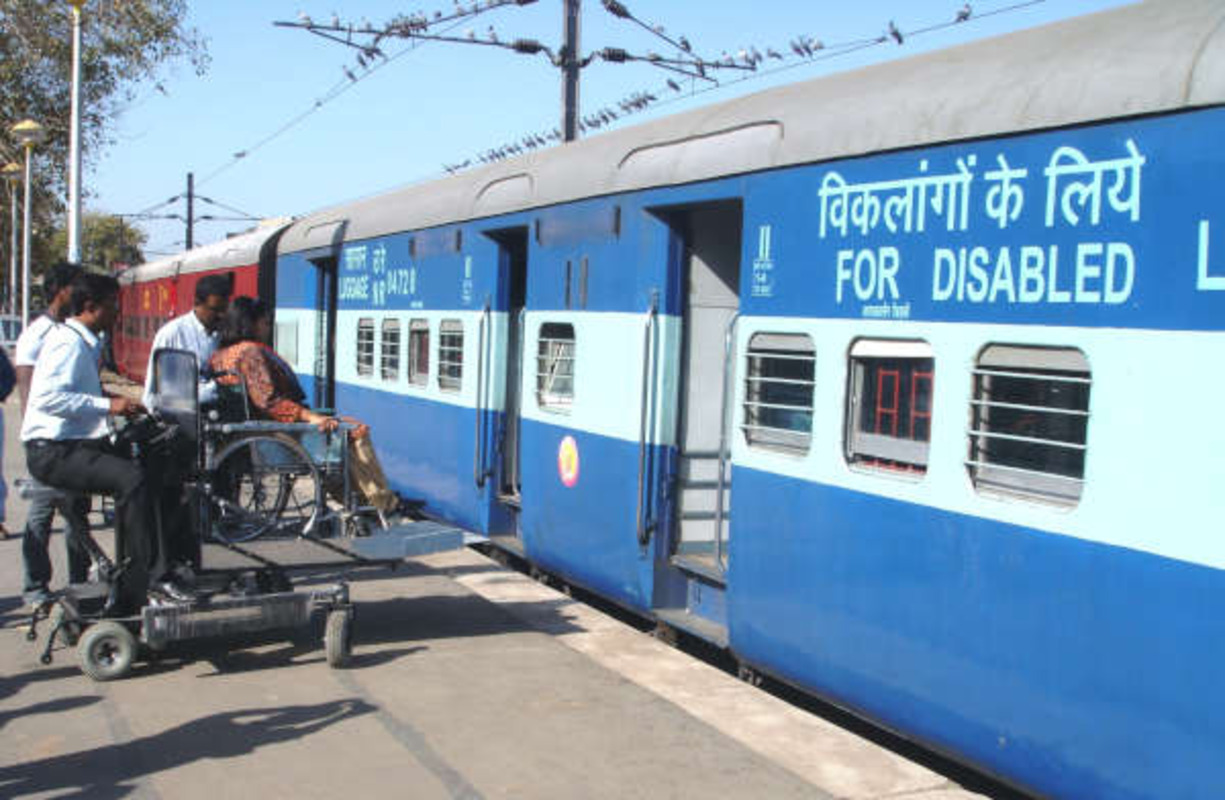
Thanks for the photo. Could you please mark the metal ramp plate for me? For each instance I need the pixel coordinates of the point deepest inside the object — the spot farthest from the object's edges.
(399, 542)
(408, 541)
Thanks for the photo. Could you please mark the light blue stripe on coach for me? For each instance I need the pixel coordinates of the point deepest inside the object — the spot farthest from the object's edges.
(1143, 447)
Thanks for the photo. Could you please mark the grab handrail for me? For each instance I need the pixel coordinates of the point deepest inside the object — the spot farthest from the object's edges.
(479, 472)
(644, 532)
(728, 363)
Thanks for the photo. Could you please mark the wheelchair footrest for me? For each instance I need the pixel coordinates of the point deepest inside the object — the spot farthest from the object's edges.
(408, 540)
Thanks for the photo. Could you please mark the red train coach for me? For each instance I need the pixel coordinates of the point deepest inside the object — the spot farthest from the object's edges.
(157, 291)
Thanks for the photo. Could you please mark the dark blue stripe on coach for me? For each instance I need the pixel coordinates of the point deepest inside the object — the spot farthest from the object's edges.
(1086, 667)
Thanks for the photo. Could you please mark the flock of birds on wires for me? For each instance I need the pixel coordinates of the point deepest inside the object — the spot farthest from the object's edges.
(685, 64)
(689, 73)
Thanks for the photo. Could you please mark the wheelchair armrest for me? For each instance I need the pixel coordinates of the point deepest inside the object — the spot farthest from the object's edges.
(230, 428)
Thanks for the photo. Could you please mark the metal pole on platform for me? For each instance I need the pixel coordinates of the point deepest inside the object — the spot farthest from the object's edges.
(12, 174)
(28, 133)
(74, 141)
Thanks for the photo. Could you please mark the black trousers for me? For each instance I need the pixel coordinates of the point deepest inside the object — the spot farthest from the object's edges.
(91, 465)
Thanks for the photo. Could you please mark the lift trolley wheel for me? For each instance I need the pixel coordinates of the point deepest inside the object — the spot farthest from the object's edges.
(106, 651)
(338, 637)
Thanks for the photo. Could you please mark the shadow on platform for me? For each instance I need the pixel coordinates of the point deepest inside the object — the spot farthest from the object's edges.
(115, 770)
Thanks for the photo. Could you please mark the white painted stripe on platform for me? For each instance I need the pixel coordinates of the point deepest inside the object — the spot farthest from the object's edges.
(827, 756)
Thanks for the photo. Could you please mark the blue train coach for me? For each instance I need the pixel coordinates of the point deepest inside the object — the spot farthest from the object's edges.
(903, 384)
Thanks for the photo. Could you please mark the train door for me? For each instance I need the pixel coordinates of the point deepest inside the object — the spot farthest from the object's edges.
(689, 587)
(512, 291)
(323, 372)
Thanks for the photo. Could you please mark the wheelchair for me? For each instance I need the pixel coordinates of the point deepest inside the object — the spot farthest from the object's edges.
(260, 503)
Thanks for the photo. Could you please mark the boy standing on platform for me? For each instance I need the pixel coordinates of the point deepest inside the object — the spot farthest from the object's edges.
(73, 509)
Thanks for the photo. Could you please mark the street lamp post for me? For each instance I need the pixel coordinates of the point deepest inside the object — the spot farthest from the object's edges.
(12, 174)
(28, 133)
(74, 143)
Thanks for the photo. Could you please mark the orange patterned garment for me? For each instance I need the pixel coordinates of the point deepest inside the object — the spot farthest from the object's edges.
(272, 389)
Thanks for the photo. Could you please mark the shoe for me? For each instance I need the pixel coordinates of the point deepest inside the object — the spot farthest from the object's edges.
(173, 590)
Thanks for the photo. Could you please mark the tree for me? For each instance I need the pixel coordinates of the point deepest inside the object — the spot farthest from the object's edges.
(125, 44)
(106, 242)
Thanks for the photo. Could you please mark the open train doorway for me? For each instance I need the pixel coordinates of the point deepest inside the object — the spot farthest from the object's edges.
(710, 269)
(323, 393)
(512, 290)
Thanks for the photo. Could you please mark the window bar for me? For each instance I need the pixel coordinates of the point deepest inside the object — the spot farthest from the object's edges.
(788, 381)
(1074, 412)
(1027, 439)
(1033, 376)
(1022, 470)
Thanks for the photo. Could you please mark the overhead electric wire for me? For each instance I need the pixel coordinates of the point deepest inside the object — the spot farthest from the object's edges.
(806, 49)
(348, 82)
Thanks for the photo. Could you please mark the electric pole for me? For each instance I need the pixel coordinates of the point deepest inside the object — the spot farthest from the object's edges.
(570, 67)
(191, 197)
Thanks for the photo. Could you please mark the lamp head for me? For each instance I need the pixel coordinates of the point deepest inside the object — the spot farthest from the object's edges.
(28, 133)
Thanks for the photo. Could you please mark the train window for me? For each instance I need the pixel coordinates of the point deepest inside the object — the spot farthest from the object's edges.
(555, 366)
(889, 405)
(365, 347)
(1029, 421)
(389, 351)
(778, 388)
(450, 355)
(419, 352)
(285, 341)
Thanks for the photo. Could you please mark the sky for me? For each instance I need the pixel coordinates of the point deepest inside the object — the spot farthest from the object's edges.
(313, 137)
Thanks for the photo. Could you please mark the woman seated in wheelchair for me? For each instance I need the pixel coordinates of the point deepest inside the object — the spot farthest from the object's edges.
(273, 393)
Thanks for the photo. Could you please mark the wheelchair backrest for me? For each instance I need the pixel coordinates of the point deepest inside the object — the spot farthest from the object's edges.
(176, 376)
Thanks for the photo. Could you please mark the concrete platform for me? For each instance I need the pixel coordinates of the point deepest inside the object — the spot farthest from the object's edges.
(468, 680)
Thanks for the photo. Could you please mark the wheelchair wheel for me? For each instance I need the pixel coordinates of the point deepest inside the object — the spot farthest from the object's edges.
(106, 651)
(264, 485)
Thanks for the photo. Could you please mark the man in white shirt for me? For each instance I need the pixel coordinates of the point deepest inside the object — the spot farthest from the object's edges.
(195, 332)
(65, 431)
(36, 537)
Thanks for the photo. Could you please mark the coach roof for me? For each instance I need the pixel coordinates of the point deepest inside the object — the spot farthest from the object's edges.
(1161, 55)
(236, 251)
